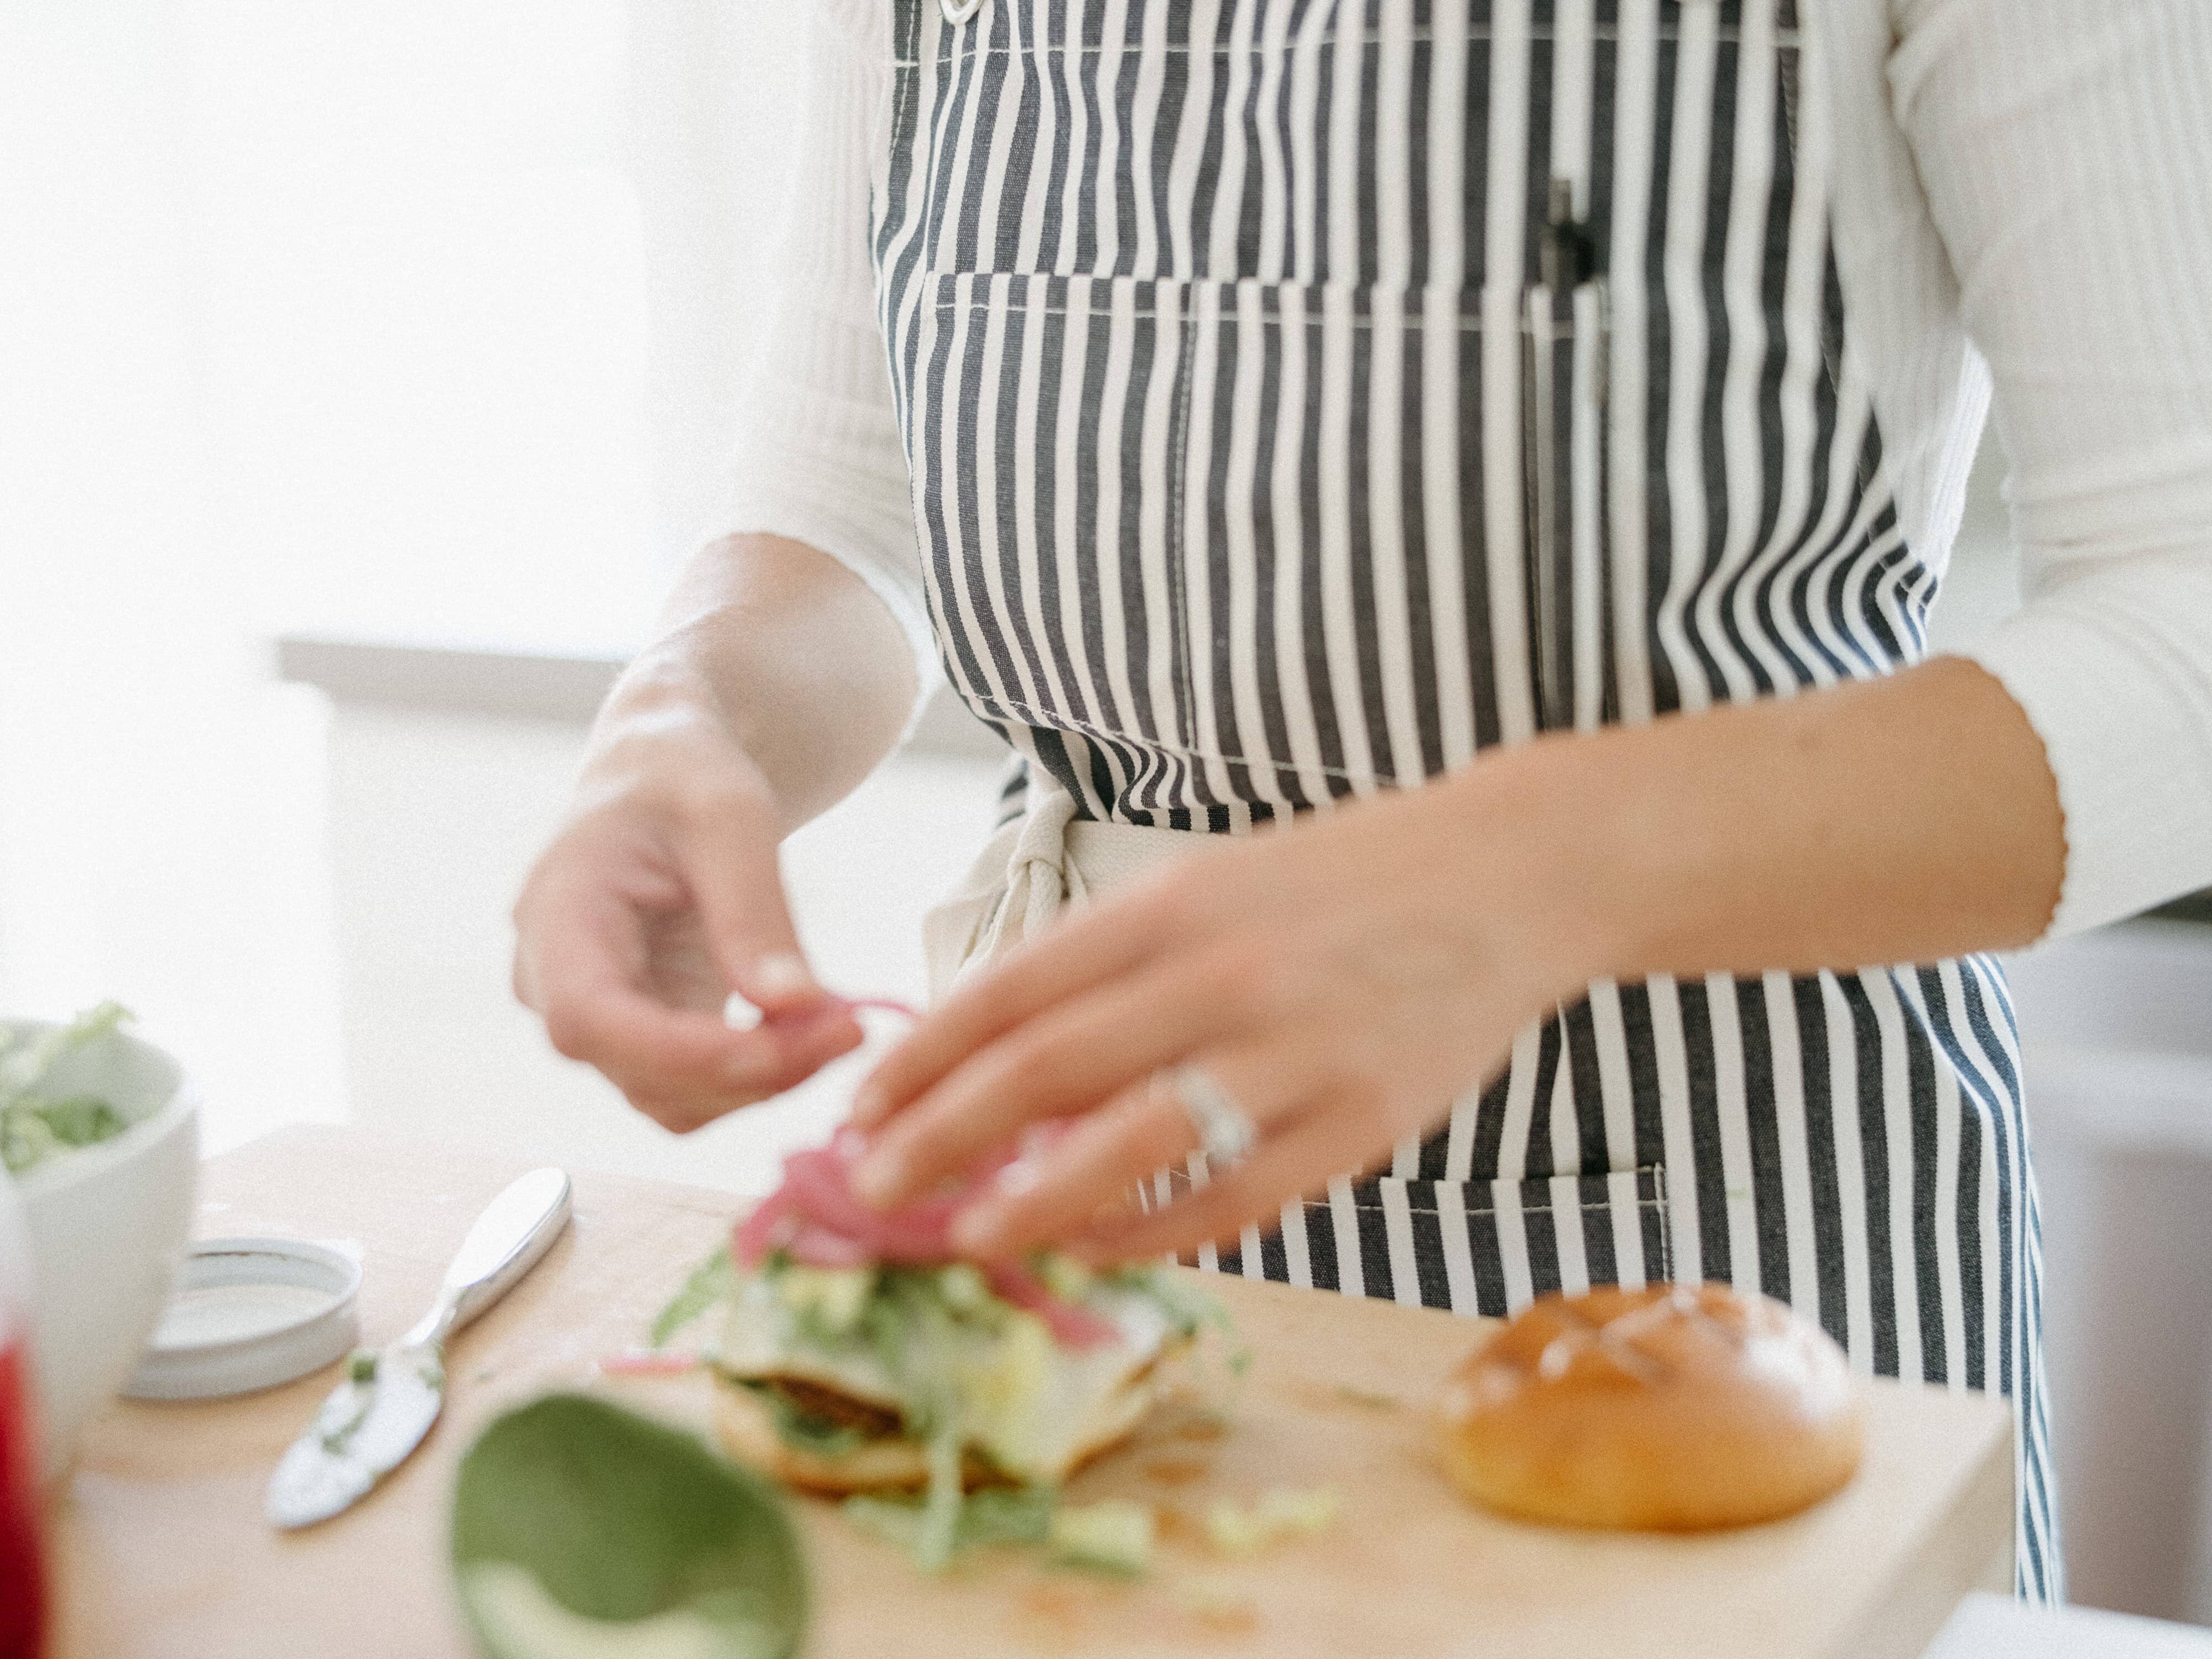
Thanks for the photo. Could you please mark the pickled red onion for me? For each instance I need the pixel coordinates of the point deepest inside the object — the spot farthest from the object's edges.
(889, 1005)
(1071, 1326)
(770, 1227)
(648, 1362)
(818, 1246)
(822, 1222)
(845, 1005)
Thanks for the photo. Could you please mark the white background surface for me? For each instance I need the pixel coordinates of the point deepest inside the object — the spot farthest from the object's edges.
(420, 317)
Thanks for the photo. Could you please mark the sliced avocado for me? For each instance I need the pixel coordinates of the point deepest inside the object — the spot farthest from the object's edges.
(1112, 1535)
(581, 1529)
(963, 1288)
(835, 1298)
(518, 1615)
(1000, 1385)
(1067, 1279)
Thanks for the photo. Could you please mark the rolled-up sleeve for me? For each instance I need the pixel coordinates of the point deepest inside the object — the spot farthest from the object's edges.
(819, 457)
(2066, 151)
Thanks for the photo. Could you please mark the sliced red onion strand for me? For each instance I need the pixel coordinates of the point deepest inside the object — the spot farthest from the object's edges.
(1071, 1327)
(767, 1227)
(648, 1362)
(817, 1216)
(889, 1005)
(818, 1246)
(845, 1005)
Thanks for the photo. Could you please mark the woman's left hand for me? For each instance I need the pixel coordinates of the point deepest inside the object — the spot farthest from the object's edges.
(1344, 979)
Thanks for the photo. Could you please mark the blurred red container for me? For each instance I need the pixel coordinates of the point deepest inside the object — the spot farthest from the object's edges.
(22, 1571)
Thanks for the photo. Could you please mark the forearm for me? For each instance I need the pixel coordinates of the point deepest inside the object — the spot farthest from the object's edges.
(1900, 820)
(783, 650)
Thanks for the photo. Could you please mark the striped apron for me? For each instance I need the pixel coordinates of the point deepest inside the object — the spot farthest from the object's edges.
(1301, 396)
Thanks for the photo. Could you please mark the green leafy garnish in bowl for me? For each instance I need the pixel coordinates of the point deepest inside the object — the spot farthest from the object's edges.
(36, 1123)
(584, 1531)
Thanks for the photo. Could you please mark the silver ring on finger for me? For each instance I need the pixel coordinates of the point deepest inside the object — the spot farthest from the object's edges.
(1226, 1133)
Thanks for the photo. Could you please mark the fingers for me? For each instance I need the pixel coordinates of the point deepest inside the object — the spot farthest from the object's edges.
(1114, 936)
(582, 968)
(725, 847)
(784, 1059)
(1064, 1059)
(1323, 1144)
(1087, 1173)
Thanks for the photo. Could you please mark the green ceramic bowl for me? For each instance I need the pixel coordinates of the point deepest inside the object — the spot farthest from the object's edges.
(584, 1531)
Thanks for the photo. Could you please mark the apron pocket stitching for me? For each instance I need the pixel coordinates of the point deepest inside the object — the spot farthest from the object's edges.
(1482, 1195)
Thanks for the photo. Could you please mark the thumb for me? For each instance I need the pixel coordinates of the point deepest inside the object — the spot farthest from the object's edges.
(737, 884)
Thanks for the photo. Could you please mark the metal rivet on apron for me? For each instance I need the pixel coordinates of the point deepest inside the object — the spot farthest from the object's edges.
(958, 12)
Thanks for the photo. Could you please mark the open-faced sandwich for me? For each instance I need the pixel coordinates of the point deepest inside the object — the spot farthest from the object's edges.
(854, 1354)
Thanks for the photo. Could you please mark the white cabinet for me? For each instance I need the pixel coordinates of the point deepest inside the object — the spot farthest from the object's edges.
(2116, 1026)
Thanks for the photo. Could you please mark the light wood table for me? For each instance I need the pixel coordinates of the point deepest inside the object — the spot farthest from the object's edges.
(161, 1552)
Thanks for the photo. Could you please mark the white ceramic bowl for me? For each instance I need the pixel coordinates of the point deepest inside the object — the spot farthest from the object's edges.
(108, 1225)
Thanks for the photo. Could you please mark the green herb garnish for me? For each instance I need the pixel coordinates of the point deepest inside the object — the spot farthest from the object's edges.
(706, 1284)
(995, 1515)
(35, 1125)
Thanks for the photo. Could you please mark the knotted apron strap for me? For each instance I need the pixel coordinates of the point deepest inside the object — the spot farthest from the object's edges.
(1029, 871)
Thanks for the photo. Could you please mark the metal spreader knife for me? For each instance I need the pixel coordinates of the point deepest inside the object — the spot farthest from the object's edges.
(390, 1399)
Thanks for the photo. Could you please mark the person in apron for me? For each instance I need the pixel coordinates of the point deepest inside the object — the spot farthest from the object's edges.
(1364, 423)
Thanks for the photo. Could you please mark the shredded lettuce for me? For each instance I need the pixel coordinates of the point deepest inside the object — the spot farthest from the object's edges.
(706, 1284)
(1188, 1310)
(995, 1515)
(1113, 1535)
(34, 1126)
(828, 1302)
(941, 1501)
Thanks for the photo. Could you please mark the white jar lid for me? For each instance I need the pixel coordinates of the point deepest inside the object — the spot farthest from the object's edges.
(246, 1314)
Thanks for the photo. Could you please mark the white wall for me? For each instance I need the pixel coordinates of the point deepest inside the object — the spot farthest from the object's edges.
(160, 800)
(419, 317)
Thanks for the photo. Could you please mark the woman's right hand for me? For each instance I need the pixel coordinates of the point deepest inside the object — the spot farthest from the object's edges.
(661, 894)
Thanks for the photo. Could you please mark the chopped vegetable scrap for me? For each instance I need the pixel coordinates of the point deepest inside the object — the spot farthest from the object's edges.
(1277, 1514)
(1113, 1535)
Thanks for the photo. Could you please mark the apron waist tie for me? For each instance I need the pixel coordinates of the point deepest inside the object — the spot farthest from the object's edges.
(1030, 871)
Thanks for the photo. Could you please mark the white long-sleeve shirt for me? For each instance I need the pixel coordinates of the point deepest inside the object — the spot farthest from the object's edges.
(2022, 205)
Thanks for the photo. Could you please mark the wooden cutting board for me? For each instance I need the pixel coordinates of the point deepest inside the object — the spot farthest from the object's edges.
(162, 1553)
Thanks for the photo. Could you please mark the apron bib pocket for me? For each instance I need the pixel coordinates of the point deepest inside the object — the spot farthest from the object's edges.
(1492, 1246)
(1473, 1246)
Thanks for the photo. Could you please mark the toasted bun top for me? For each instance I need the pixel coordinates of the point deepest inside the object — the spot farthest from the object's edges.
(1666, 1407)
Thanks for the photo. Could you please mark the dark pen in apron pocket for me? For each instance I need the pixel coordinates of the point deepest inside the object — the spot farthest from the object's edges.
(1566, 340)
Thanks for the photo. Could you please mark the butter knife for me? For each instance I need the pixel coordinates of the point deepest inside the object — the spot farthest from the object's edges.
(390, 1399)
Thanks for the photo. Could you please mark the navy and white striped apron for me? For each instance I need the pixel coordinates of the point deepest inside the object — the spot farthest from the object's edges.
(1301, 396)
